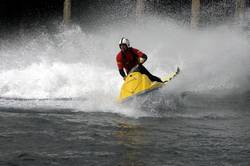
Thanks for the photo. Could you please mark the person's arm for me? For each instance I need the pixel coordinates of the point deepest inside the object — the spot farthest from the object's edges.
(141, 56)
(122, 73)
(142, 59)
(120, 65)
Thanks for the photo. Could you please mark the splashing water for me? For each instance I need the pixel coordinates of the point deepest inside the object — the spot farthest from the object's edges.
(75, 64)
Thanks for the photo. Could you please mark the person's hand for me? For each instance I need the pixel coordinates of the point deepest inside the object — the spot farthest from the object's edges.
(141, 60)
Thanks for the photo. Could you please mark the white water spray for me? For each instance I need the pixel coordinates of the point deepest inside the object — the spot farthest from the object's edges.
(74, 64)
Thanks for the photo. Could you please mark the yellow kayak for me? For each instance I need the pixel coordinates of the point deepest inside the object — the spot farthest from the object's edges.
(137, 83)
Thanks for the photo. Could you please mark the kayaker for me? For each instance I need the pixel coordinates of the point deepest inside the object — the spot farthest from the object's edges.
(130, 57)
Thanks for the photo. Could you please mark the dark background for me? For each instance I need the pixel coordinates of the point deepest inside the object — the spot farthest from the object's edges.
(24, 14)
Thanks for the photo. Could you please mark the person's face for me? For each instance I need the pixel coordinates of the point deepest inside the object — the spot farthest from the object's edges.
(123, 47)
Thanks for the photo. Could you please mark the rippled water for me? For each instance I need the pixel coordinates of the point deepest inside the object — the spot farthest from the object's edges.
(199, 130)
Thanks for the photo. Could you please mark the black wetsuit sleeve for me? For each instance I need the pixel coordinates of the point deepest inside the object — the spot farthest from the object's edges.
(144, 56)
(122, 72)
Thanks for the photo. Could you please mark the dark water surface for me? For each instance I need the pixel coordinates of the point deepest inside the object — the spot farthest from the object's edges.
(205, 134)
